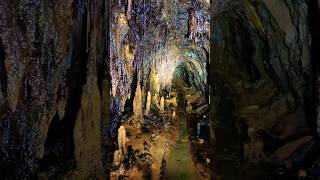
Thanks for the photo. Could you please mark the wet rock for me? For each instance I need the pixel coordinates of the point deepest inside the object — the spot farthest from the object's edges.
(253, 108)
(145, 157)
(171, 102)
(146, 146)
(202, 109)
(285, 151)
(255, 64)
(201, 101)
(298, 152)
(189, 108)
(89, 162)
(48, 102)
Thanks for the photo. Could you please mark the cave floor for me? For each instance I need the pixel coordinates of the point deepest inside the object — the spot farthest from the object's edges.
(151, 144)
(179, 162)
(161, 148)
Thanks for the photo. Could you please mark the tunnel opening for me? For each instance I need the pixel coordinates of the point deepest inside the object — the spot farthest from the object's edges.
(174, 104)
(193, 106)
(192, 100)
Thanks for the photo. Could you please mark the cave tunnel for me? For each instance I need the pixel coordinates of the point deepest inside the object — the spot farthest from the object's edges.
(159, 81)
(160, 89)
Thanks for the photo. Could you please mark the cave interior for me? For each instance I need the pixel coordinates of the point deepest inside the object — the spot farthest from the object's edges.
(160, 89)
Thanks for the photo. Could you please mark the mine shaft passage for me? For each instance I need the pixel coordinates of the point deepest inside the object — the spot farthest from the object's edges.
(159, 52)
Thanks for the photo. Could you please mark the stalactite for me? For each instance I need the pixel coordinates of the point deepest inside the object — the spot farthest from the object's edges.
(129, 9)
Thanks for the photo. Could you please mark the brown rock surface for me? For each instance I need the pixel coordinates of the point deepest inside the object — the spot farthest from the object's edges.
(52, 70)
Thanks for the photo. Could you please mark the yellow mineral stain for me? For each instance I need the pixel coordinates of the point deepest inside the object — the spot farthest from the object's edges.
(171, 101)
(162, 104)
(155, 100)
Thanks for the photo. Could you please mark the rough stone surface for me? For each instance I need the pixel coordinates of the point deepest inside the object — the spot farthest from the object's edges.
(262, 72)
(52, 70)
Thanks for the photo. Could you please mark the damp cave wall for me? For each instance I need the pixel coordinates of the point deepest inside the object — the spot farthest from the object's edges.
(263, 70)
(54, 78)
(54, 89)
(155, 34)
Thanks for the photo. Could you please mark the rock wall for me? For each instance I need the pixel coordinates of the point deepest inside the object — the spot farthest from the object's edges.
(263, 74)
(53, 84)
(314, 11)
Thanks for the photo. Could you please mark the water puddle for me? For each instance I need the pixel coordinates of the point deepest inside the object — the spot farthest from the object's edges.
(179, 163)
